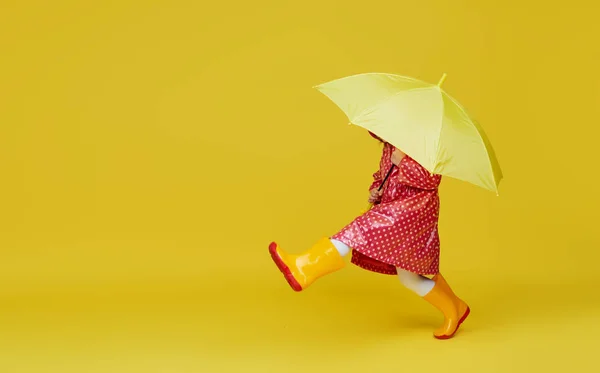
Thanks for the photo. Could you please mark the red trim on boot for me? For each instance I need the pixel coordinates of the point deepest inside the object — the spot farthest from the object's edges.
(284, 268)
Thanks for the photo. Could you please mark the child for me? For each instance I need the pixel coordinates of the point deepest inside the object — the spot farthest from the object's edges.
(398, 236)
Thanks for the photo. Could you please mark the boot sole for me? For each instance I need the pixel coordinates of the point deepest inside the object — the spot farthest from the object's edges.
(285, 270)
(462, 319)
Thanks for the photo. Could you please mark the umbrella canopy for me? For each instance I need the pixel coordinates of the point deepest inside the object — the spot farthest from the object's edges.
(420, 119)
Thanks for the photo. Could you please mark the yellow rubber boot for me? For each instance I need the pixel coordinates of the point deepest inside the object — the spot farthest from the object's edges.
(455, 310)
(302, 270)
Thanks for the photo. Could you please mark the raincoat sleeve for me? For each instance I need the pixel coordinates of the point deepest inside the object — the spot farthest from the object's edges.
(377, 179)
(416, 176)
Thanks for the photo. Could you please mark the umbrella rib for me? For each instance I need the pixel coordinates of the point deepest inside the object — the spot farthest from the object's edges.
(439, 145)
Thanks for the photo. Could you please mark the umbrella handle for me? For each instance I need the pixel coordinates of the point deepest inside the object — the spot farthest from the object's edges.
(381, 186)
(386, 176)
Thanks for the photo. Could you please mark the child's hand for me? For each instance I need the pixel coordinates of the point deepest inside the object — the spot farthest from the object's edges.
(375, 196)
(397, 156)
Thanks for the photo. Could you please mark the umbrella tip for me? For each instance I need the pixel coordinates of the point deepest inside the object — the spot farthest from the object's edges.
(442, 80)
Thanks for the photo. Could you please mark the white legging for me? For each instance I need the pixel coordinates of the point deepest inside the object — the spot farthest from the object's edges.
(419, 284)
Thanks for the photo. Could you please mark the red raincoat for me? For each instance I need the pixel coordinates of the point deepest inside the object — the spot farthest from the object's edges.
(401, 231)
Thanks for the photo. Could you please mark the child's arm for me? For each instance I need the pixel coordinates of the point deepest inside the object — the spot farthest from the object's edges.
(414, 175)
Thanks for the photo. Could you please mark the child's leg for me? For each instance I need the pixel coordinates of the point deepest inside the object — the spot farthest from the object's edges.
(417, 283)
(341, 247)
(437, 292)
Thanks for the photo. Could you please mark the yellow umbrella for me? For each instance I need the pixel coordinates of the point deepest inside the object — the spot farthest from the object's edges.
(420, 119)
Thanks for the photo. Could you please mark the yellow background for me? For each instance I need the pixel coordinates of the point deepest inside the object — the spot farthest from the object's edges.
(151, 150)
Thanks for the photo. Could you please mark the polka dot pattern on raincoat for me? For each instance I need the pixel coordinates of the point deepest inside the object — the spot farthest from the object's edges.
(401, 230)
